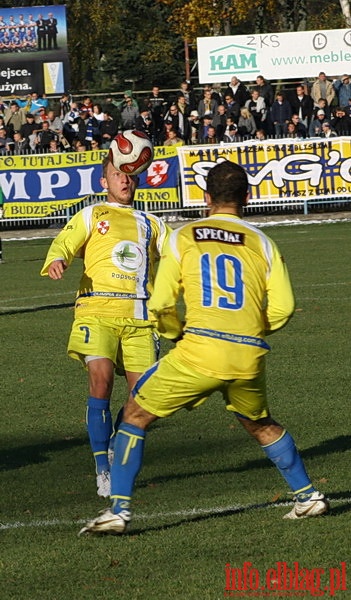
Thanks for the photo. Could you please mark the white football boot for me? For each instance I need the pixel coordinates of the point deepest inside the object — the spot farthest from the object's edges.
(316, 505)
(108, 523)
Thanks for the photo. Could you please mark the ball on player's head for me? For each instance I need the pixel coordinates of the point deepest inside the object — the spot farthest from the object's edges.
(131, 152)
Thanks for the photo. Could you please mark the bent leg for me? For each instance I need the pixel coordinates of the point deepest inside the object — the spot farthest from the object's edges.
(279, 447)
(129, 451)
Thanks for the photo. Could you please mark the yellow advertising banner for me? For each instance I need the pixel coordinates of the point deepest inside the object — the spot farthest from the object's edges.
(283, 169)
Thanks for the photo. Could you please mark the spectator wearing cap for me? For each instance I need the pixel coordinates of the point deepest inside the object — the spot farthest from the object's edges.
(205, 123)
(15, 117)
(342, 86)
(231, 133)
(194, 124)
(315, 129)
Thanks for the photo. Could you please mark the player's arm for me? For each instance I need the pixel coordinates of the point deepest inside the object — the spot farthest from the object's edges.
(280, 296)
(166, 291)
(67, 244)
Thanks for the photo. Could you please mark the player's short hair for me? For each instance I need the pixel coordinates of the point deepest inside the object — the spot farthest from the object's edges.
(105, 164)
(227, 182)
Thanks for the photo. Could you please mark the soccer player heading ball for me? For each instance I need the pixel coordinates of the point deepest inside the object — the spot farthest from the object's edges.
(112, 324)
(237, 290)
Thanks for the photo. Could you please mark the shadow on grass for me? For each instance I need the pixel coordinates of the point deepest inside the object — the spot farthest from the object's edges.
(341, 443)
(334, 512)
(31, 309)
(22, 456)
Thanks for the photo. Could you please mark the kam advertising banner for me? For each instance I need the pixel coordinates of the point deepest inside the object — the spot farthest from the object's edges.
(35, 186)
(274, 55)
(285, 169)
(33, 49)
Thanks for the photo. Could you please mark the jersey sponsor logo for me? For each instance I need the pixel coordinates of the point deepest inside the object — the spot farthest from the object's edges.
(128, 256)
(103, 227)
(215, 234)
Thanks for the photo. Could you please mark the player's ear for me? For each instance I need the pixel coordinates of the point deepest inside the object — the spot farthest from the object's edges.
(246, 201)
(208, 200)
(103, 183)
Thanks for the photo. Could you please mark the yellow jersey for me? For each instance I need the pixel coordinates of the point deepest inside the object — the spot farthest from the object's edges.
(119, 246)
(236, 289)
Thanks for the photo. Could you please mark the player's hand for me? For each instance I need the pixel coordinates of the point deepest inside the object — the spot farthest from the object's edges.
(56, 269)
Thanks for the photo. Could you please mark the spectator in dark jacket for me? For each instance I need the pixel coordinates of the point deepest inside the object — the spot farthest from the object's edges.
(280, 114)
(108, 130)
(341, 123)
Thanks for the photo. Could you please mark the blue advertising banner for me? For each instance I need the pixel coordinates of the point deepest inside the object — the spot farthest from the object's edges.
(41, 184)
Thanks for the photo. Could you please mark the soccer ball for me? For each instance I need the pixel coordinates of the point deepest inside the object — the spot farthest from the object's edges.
(131, 152)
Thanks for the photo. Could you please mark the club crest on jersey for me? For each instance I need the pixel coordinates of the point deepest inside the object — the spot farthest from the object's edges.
(103, 227)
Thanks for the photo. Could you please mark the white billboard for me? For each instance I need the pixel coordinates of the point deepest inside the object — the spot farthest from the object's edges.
(274, 55)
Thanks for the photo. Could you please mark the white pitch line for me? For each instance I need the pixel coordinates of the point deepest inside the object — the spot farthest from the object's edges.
(195, 512)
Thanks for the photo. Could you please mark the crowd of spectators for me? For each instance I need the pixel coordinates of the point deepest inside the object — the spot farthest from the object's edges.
(216, 114)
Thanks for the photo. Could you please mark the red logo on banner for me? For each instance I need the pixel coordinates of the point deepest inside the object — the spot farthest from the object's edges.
(157, 173)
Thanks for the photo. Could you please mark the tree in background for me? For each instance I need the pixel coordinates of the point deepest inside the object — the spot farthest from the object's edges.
(112, 41)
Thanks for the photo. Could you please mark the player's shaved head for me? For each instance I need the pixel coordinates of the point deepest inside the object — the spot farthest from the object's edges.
(227, 183)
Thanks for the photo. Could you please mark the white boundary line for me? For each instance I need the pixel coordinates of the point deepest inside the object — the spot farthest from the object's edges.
(283, 222)
(196, 512)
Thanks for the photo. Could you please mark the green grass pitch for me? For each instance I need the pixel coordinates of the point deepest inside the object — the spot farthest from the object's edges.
(206, 496)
